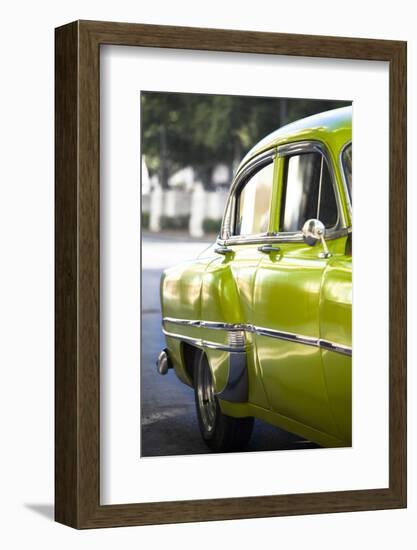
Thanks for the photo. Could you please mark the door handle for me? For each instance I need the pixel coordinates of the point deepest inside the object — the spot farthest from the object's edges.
(268, 248)
(223, 250)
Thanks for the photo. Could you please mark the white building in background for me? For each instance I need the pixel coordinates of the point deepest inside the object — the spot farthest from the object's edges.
(184, 179)
(145, 179)
(185, 197)
(145, 187)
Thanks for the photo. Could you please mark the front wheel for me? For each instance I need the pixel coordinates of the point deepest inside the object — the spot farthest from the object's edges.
(221, 433)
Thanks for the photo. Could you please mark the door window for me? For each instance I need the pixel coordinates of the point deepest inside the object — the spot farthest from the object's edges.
(254, 202)
(307, 192)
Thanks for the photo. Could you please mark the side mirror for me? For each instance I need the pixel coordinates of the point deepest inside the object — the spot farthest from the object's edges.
(313, 231)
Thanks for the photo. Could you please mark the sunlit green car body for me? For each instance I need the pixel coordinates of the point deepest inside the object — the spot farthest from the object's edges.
(288, 312)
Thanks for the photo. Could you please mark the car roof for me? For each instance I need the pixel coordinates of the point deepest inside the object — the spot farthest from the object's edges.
(333, 127)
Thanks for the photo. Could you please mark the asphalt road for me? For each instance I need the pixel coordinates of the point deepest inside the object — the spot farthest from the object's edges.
(168, 418)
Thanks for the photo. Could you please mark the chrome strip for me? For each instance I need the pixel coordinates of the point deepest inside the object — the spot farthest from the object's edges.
(338, 348)
(291, 337)
(269, 153)
(186, 322)
(296, 237)
(345, 184)
(301, 146)
(205, 324)
(307, 340)
(229, 212)
(222, 326)
(205, 343)
(260, 331)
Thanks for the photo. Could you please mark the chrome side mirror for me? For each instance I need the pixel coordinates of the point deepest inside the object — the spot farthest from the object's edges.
(313, 231)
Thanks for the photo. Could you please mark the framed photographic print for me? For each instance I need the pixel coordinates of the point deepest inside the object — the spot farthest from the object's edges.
(226, 345)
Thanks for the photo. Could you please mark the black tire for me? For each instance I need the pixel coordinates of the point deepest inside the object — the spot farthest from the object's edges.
(221, 433)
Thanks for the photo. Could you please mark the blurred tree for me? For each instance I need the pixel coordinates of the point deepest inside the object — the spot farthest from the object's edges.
(202, 130)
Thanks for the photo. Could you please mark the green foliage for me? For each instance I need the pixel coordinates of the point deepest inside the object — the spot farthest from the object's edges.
(211, 225)
(176, 223)
(202, 130)
(145, 220)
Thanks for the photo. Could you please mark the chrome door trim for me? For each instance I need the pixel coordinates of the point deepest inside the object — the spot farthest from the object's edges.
(185, 322)
(199, 342)
(289, 336)
(306, 340)
(338, 348)
(237, 343)
(205, 324)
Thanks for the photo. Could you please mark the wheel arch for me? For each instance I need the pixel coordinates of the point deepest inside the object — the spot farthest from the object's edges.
(189, 354)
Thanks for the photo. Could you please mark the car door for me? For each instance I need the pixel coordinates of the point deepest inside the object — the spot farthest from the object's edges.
(287, 289)
(227, 293)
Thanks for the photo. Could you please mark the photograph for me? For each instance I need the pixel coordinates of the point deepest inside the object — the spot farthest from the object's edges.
(246, 273)
(218, 353)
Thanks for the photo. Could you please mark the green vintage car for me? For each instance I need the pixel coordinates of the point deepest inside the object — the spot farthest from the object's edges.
(260, 324)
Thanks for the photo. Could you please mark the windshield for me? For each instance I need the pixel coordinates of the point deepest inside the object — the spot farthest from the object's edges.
(347, 167)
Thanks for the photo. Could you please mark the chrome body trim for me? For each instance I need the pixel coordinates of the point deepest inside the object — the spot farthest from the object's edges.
(199, 342)
(338, 348)
(236, 338)
(237, 343)
(185, 322)
(205, 324)
(306, 340)
(289, 336)
(214, 325)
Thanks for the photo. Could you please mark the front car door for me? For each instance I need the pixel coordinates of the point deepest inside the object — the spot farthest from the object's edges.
(227, 291)
(287, 292)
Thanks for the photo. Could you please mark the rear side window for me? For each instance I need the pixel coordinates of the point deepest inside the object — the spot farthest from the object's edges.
(254, 202)
(307, 192)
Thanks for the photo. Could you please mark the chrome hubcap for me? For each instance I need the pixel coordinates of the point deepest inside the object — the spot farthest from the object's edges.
(205, 396)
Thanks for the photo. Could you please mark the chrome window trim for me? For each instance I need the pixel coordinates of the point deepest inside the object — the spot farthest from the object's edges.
(279, 238)
(260, 331)
(345, 184)
(285, 150)
(229, 212)
(300, 147)
(314, 146)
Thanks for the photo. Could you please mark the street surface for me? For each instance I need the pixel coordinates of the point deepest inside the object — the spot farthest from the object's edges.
(168, 418)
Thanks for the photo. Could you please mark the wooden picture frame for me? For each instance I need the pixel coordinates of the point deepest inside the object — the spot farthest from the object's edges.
(77, 382)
